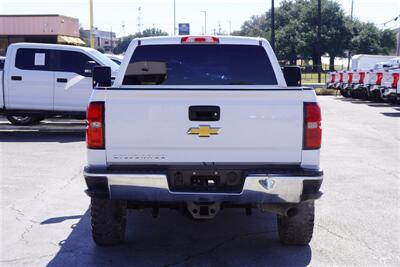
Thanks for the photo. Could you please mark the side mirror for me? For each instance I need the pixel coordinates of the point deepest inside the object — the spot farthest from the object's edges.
(292, 75)
(101, 76)
(89, 66)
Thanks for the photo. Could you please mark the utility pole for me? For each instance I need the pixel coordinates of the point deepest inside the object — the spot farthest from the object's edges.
(349, 53)
(123, 28)
(205, 21)
(319, 66)
(273, 24)
(91, 24)
(230, 27)
(219, 28)
(139, 18)
(111, 40)
(174, 18)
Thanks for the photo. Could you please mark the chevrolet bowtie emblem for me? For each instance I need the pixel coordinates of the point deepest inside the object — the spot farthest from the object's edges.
(204, 130)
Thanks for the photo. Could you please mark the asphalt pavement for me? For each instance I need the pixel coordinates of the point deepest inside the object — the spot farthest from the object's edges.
(45, 218)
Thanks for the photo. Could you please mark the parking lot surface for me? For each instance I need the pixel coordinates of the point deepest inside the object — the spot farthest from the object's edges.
(45, 218)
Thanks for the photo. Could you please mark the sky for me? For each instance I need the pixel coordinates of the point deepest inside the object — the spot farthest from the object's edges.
(226, 14)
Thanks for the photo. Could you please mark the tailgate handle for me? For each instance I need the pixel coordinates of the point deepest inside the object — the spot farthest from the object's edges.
(16, 78)
(204, 113)
(62, 80)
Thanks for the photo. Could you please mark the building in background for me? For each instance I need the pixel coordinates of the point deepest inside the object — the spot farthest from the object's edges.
(38, 29)
(103, 40)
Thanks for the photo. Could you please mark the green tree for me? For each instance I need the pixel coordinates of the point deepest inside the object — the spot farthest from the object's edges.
(258, 25)
(123, 44)
(335, 34)
(296, 31)
(366, 38)
(289, 35)
(100, 49)
(152, 32)
(388, 41)
(125, 41)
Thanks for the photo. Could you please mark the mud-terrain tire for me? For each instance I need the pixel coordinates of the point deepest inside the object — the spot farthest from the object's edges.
(108, 221)
(343, 93)
(297, 229)
(24, 120)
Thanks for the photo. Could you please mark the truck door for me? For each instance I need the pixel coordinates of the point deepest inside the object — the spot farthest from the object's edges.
(29, 82)
(72, 80)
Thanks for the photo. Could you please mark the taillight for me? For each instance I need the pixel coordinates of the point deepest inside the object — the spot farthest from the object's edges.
(395, 79)
(362, 77)
(333, 77)
(379, 76)
(95, 125)
(350, 78)
(341, 77)
(199, 40)
(312, 126)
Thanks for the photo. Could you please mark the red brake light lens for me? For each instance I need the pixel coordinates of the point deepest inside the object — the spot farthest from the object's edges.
(362, 77)
(333, 78)
(95, 125)
(312, 126)
(379, 76)
(341, 77)
(350, 78)
(395, 79)
(199, 40)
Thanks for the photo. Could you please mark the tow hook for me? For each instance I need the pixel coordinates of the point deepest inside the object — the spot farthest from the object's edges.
(203, 210)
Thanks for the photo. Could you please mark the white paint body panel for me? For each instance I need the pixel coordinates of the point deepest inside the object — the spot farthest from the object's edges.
(35, 90)
(39, 90)
(367, 61)
(73, 95)
(256, 126)
(96, 157)
(387, 79)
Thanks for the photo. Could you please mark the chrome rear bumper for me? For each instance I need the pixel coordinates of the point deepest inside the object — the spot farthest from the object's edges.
(257, 188)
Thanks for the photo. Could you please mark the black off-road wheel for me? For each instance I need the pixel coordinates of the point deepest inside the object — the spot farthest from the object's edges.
(24, 120)
(108, 221)
(343, 93)
(297, 229)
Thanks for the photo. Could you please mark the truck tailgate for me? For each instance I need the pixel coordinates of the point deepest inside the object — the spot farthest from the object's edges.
(258, 126)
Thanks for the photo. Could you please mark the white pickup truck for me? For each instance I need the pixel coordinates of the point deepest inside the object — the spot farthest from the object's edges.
(200, 124)
(391, 85)
(42, 80)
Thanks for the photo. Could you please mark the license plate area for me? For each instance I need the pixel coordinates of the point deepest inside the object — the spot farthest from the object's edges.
(204, 181)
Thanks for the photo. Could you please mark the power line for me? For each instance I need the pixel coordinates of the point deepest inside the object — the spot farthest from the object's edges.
(393, 19)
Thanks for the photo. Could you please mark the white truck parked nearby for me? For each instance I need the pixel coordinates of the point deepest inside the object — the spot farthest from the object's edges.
(366, 62)
(200, 124)
(391, 85)
(42, 80)
(116, 58)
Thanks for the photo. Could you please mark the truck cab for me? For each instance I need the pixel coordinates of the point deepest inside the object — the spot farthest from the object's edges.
(41, 80)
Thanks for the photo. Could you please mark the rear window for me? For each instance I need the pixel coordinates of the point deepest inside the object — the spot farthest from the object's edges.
(199, 65)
